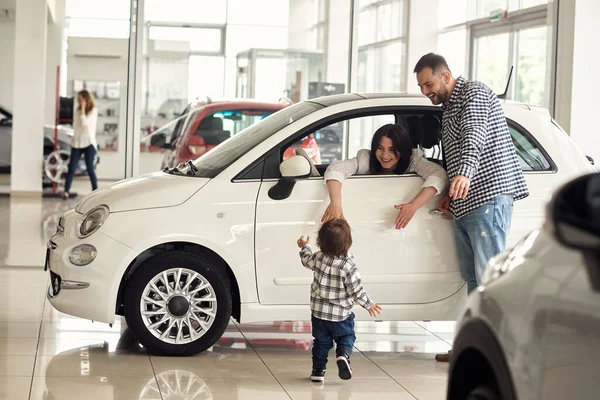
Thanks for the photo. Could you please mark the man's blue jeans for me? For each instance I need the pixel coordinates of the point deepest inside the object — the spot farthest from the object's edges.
(480, 235)
(325, 333)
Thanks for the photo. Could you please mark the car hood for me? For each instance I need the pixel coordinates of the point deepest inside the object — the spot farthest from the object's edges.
(155, 190)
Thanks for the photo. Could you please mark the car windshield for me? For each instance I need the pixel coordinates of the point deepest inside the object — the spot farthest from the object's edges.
(216, 160)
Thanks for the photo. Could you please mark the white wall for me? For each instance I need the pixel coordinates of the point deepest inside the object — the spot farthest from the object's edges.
(7, 65)
(585, 102)
(301, 18)
(576, 100)
(102, 60)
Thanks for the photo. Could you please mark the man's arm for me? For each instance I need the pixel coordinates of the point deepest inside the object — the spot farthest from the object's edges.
(474, 130)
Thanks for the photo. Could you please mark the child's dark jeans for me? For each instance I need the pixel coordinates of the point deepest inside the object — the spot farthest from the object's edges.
(325, 333)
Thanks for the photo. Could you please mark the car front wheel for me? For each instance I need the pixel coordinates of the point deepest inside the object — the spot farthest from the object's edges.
(178, 304)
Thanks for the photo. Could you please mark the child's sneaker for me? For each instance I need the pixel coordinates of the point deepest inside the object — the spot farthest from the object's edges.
(344, 370)
(317, 375)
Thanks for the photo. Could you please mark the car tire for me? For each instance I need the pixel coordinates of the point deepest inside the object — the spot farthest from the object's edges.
(187, 314)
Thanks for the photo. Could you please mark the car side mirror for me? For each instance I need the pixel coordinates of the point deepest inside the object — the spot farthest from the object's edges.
(292, 170)
(574, 213)
(159, 140)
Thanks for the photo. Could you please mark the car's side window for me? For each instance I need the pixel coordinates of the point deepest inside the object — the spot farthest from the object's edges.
(531, 155)
(326, 145)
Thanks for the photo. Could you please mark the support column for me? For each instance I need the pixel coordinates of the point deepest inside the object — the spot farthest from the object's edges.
(29, 97)
(54, 56)
(575, 102)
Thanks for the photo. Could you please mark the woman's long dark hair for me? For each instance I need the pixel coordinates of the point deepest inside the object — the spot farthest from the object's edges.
(401, 142)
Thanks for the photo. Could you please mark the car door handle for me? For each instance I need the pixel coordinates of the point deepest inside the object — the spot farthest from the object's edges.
(438, 213)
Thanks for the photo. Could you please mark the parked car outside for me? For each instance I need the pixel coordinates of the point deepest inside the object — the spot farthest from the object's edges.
(532, 331)
(179, 252)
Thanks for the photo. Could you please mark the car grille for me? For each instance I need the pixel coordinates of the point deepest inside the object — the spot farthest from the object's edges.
(55, 281)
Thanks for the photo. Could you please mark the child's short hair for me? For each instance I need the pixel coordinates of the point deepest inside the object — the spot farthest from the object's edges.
(335, 238)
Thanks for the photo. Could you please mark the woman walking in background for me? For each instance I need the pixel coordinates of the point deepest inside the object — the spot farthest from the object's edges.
(84, 139)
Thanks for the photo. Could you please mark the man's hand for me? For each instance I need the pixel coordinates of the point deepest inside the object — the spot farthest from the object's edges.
(459, 187)
(407, 211)
(303, 242)
(333, 211)
(444, 205)
(374, 310)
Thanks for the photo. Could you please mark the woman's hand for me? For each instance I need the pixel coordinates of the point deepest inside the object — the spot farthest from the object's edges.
(333, 211)
(407, 211)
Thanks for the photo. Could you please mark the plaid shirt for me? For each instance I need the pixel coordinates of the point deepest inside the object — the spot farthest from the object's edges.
(477, 144)
(336, 285)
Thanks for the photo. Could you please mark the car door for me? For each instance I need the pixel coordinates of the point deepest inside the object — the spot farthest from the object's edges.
(571, 338)
(412, 266)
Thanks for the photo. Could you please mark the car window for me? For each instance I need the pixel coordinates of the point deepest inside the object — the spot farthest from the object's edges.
(223, 124)
(531, 156)
(216, 160)
(326, 145)
(181, 123)
(361, 130)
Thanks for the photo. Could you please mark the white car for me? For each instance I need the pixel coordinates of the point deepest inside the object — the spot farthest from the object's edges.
(532, 331)
(180, 252)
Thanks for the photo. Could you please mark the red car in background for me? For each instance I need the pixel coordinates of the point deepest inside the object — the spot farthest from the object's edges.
(205, 124)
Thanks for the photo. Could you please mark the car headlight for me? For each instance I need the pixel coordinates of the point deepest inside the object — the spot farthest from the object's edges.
(92, 221)
(505, 262)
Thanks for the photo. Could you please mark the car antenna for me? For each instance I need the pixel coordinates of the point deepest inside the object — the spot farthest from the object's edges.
(503, 95)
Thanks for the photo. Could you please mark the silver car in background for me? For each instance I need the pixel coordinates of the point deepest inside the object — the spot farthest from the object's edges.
(532, 331)
(58, 160)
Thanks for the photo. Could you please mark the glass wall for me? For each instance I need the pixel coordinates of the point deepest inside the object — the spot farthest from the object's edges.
(483, 39)
(189, 54)
(97, 35)
(382, 45)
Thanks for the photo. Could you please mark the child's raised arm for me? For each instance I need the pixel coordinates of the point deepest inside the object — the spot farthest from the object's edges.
(306, 255)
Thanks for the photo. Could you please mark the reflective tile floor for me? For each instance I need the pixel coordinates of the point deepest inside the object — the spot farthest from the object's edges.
(48, 355)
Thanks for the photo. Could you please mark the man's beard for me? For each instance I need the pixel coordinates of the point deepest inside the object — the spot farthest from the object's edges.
(442, 95)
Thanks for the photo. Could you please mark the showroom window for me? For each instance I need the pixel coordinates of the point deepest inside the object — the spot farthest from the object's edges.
(93, 19)
(382, 40)
(481, 43)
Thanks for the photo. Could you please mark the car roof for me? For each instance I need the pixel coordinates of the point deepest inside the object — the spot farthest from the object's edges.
(236, 104)
(403, 98)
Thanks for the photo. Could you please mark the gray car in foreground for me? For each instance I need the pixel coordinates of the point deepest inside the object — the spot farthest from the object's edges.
(532, 331)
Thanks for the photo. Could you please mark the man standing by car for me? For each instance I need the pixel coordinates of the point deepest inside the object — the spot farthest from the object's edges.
(484, 171)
